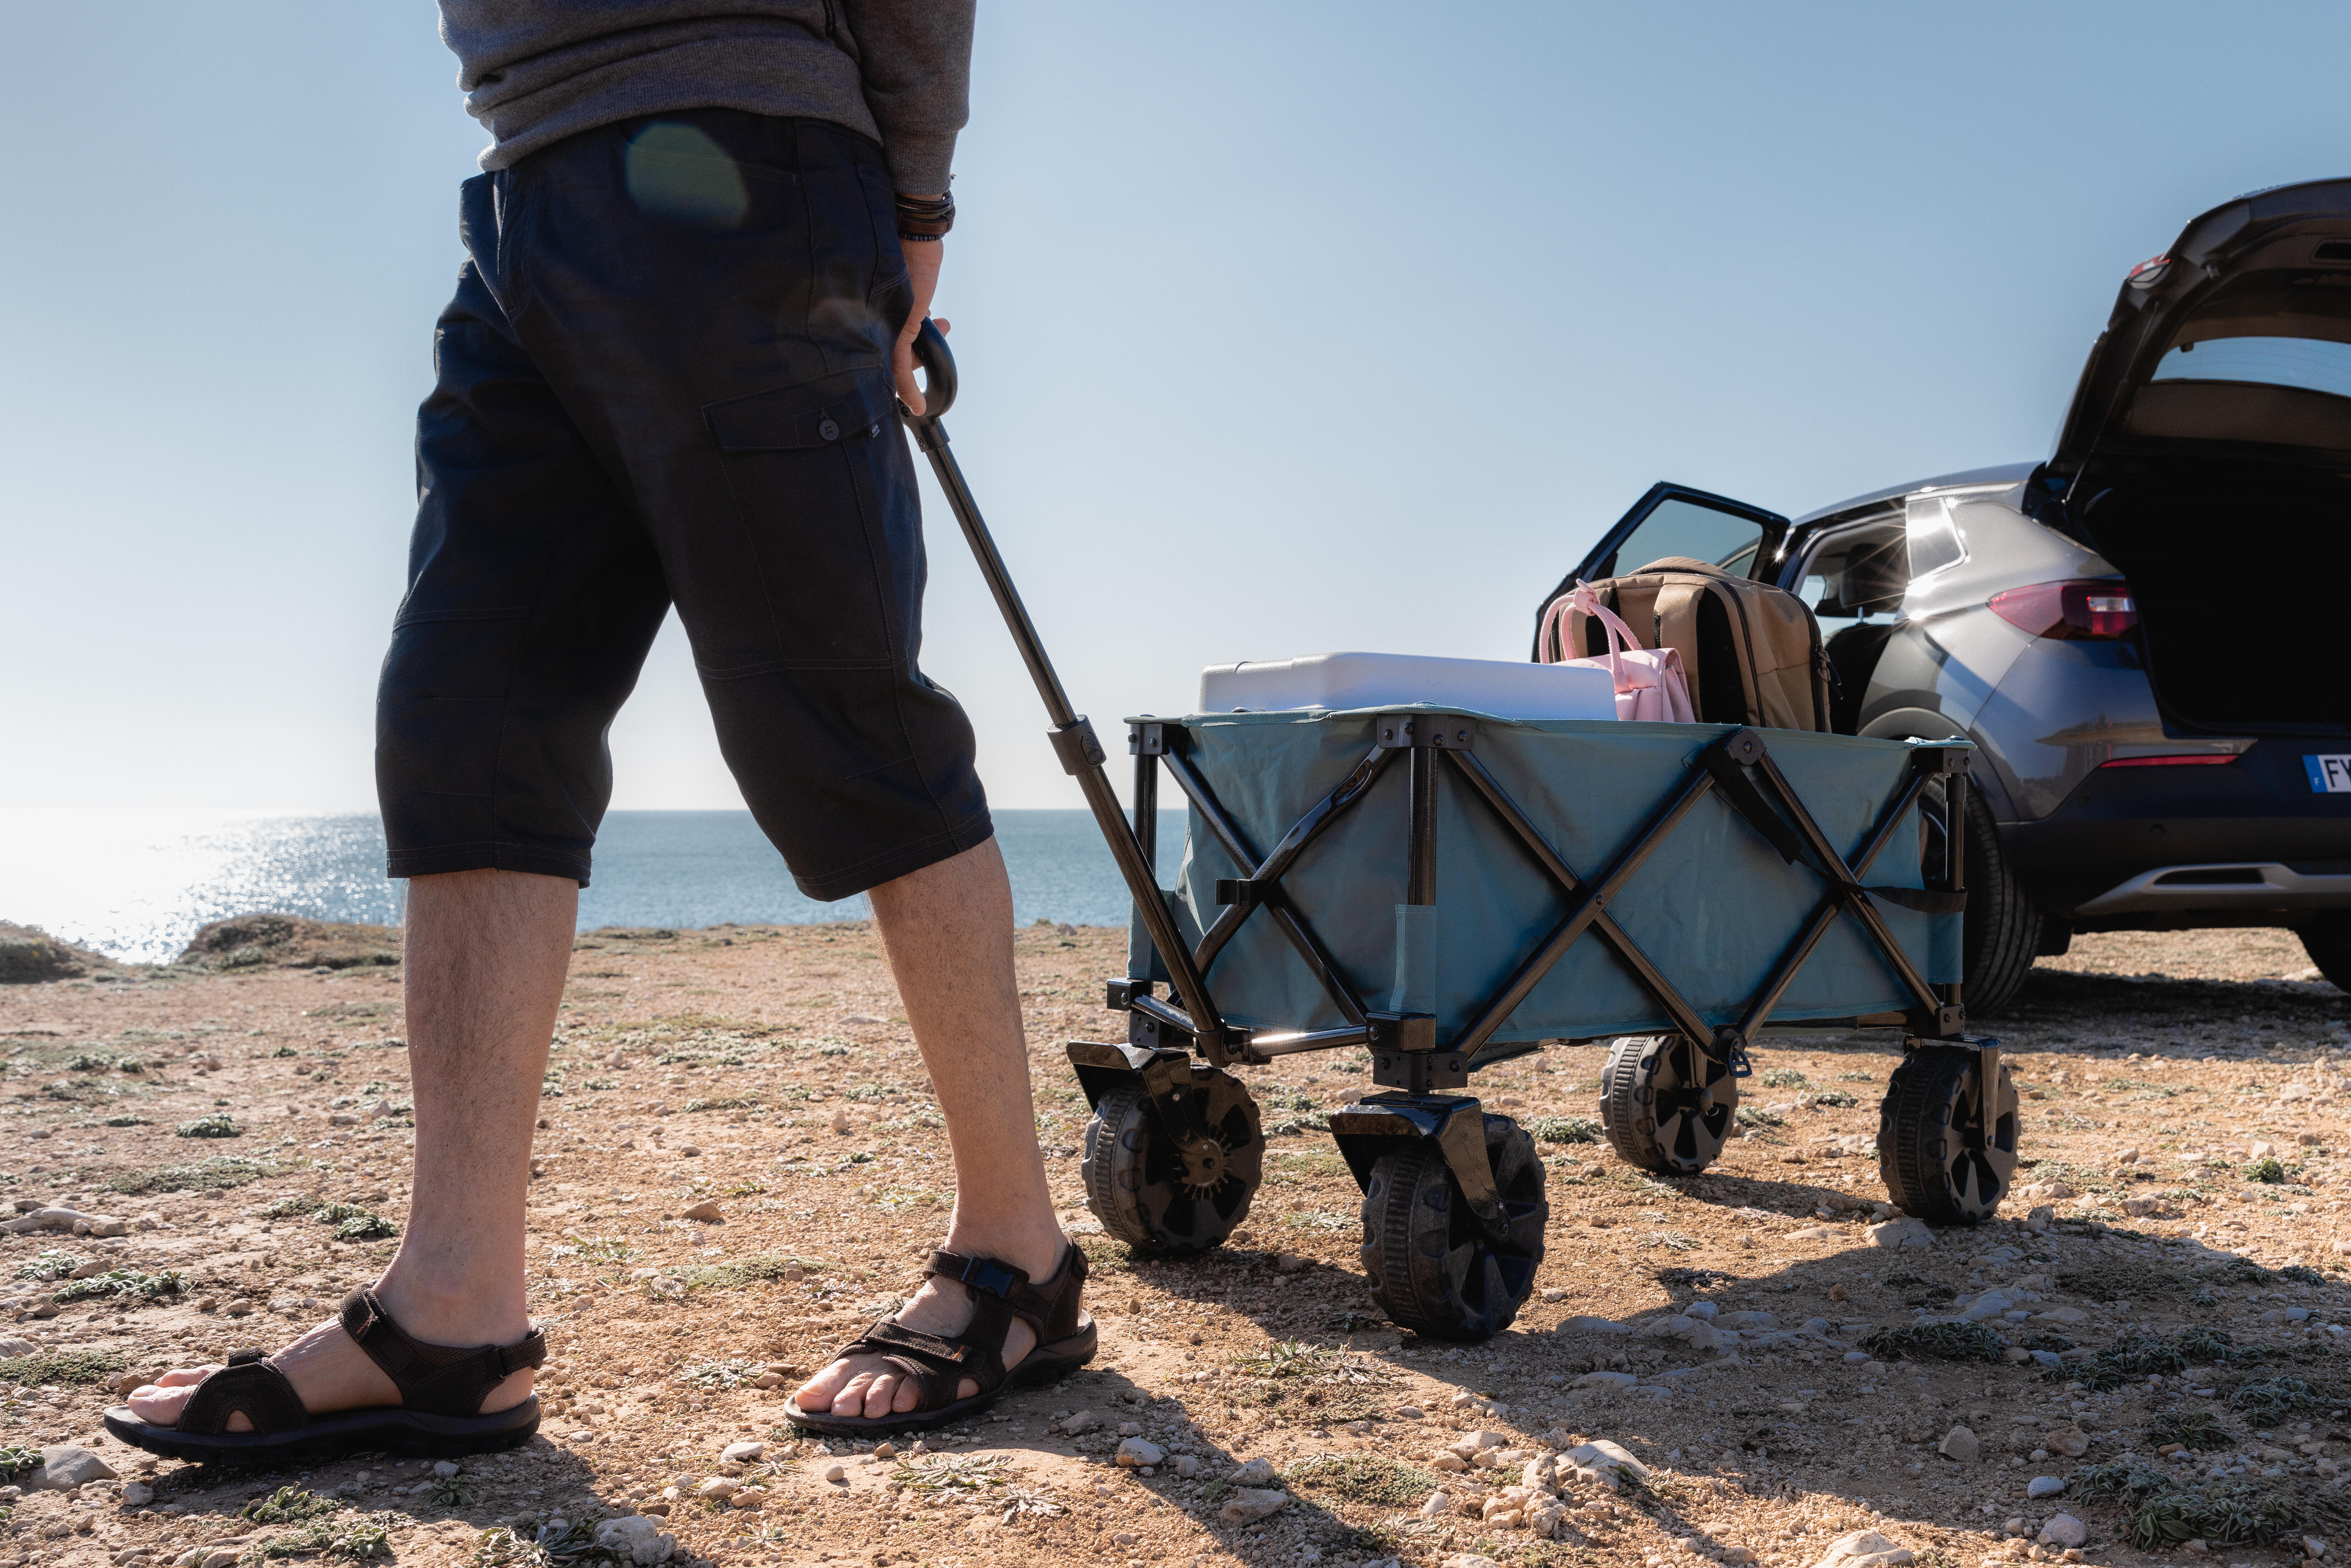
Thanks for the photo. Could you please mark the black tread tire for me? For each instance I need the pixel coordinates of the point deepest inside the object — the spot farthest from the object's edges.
(2001, 929)
(1925, 1171)
(2327, 940)
(1431, 1268)
(1639, 1067)
(1130, 1168)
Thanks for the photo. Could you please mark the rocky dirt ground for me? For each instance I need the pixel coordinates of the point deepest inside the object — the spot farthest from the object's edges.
(739, 1166)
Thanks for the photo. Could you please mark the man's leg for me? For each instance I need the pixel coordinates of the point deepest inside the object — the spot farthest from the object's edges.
(486, 953)
(947, 929)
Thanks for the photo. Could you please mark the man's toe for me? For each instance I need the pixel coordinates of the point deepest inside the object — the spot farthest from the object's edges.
(850, 1400)
(881, 1393)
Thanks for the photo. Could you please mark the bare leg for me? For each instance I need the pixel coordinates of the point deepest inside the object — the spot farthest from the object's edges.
(484, 971)
(947, 929)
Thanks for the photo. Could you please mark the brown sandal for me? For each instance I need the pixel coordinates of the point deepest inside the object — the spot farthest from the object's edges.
(442, 1387)
(937, 1367)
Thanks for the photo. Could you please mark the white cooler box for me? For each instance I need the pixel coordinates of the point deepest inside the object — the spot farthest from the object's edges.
(1379, 680)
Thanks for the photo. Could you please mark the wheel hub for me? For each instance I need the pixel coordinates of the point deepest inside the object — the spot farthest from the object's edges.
(1204, 1162)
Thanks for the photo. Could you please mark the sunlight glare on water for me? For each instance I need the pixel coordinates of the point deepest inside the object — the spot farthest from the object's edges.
(136, 885)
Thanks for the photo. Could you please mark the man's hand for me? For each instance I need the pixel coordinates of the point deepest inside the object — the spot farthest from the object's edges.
(923, 257)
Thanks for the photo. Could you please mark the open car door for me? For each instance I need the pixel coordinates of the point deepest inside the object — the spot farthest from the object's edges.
(1674, 520)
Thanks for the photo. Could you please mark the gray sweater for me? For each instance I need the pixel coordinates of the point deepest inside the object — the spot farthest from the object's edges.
(535, 71)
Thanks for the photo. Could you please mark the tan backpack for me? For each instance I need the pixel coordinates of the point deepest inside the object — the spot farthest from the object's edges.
(1752, 652)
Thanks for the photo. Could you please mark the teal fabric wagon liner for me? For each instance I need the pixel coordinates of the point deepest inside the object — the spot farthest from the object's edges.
(1715, 907)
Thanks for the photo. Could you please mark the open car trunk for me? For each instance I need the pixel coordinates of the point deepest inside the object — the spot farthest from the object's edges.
(2208, 455)
(2240, 572)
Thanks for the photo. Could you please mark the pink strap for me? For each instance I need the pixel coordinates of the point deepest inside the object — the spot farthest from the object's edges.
(1552, 639)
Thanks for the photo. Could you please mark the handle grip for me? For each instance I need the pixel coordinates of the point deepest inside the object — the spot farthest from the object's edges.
(938, 370)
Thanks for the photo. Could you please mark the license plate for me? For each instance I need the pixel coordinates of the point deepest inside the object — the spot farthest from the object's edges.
(2328, 775)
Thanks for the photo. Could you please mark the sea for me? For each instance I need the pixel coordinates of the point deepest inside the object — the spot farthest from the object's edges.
(136, 885)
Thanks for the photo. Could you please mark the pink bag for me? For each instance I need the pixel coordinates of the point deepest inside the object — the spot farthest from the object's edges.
(1649, 681)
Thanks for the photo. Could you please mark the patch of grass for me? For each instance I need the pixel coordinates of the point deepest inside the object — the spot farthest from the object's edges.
(737, 1272)
(1782, 1078)
(62, 1366)
(2270, 1400)
(1291, 1358)
(220, 1170)
(120, 1282)
(2301, 1274)
(2203, 1346)
(452, 1491)
(14, 1462)
(1935, 1342)
(1756, 1116)
(1856, 1078)
(2140, 1355)
(948, 1473)
(2223, 1515)
(289, 1505)
(726, 1102)
(219, 1124)
(1563, 1129)
(125, 1121)
(2198, 1430)
(1835, 1097)
(51, 1264)
(2118, 1477)
(717, 1374)
(2055, 1344)
(1372, 1478)
(2269, 1170)
(2235, 1271)
(366, 1228)
(356, 1540)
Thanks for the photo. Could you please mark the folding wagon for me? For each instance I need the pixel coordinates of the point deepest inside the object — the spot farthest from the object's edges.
(1447, 889)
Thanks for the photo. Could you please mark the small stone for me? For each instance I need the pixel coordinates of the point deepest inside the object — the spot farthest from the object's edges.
(1836, 1293)
(749, 1496)
(2041, 1218)
(1125, 1538)
(1435, 1503)
(1258, 1472)
(1080, 1421)
(720, 1487)
(1469, 1559)
(885, 1450)
(1960, 1444)
(445, 1469)
(1136, 1454)
(1130, 1429)
(707, 1210)
(1863, 1548)
(1411, 1413)
(1252, 1503)
(1447, 1460)
(2126, 1157)
(1736, 1554)
(1585, 1323)
(67, 1467)
(2063, 1530)
(1554, 1294)
(690, 1151)
(1188, 1466)
(744, 1453)
(1906, 1232)
(2070, 1441)
(836, 1473)
(139, 1494)
(2044, 1485)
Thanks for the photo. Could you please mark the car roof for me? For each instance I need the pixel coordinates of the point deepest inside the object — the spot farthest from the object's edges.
(2004, 474)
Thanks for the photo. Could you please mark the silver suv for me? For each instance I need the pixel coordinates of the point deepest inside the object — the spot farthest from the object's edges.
(2164, 720)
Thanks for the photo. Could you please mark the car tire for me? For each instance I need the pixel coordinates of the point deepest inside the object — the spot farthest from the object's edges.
(2327, 940)
(2003, 929)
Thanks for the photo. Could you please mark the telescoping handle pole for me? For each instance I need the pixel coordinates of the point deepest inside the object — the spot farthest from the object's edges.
(1072, 736)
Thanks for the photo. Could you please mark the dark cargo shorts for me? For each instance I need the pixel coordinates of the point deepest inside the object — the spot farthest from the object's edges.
(665, 377)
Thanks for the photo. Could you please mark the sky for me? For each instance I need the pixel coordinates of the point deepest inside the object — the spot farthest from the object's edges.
(1283, 327)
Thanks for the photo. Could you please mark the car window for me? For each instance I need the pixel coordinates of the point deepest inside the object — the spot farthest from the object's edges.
(1686, 528)
(1853, 573)
(1934, 538)
(2311, 364)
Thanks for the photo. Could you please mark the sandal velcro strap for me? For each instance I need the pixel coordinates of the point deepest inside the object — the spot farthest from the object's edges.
(247, 1382)
(979, 1274)
(436, 1379)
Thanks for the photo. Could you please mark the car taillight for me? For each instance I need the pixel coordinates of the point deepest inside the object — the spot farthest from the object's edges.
(2070, 609)
(2174, 759)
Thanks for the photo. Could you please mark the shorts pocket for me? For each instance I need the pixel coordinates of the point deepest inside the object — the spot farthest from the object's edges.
(803, 463)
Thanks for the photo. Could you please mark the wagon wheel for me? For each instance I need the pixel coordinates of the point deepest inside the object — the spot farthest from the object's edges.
(1665, 1104)
(1152, 1192)
(1943, 1160)
(1433, 1269)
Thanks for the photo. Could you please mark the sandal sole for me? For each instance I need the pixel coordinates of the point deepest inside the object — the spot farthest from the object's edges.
(384, 1428)
(1043, 1365)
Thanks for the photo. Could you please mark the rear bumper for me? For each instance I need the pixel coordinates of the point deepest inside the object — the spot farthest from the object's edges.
(2154, 845)
(2241, 888)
